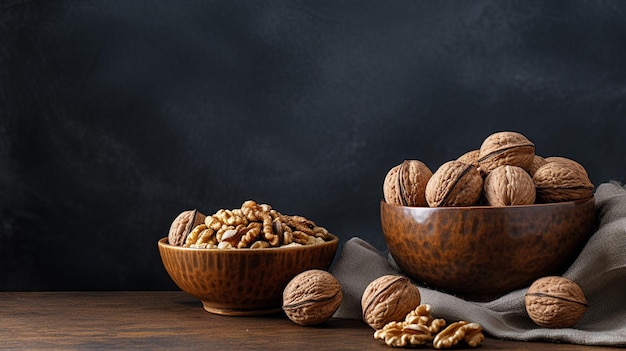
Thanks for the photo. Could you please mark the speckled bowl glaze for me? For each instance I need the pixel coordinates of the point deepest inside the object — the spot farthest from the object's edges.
(482, 252)
(242, 282)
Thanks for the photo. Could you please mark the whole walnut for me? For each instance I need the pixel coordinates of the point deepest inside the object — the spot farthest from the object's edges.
(538, 161)
(506, 148)
(182, 226)
(405, 184)
(312, 297)
(558, 182)
(389, 299)
(471, 158)
(509, 185)
(555, 302)
(567, 161)
(454, 183)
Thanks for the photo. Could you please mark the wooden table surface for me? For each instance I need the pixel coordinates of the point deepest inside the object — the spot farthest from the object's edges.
(173, 320)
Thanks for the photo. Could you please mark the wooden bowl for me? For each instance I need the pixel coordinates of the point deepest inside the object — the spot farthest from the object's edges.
(482, 252)
(240, 282)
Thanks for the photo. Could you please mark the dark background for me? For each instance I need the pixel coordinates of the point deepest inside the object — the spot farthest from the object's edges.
(117, 115)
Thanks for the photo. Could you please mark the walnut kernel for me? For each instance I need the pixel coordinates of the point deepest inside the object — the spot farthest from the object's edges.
(469, 333)
(418, 328)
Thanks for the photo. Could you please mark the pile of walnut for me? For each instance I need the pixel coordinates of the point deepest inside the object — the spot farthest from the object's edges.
(251, 226)
(420, 328)
(505, 171)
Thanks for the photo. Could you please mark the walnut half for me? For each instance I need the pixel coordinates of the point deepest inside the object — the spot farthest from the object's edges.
(420, 328)
(470, 333)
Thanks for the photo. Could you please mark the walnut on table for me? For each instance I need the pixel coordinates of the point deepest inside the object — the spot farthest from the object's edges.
(420, 328)
(312, 297)
(388, 298)
(457, 332)
(555, 302)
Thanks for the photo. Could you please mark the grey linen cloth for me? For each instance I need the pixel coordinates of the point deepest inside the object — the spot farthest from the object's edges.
(600, 270)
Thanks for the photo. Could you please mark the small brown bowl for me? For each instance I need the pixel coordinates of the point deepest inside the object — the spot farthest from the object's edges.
(482, 252)
(242, 282)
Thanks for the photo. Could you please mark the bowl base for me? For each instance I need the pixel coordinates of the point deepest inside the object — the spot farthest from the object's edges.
(225, 311)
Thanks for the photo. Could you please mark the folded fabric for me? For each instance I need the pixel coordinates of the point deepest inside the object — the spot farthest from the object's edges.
(600, 270)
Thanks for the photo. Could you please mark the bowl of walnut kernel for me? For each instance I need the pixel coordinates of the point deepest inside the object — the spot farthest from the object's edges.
(489, 222)
(238, 261)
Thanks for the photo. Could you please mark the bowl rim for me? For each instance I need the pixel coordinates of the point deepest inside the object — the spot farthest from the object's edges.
(163, 243)
(494, 208)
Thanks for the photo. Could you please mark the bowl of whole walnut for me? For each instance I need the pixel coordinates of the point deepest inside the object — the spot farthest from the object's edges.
(489, 222)
(238, 261)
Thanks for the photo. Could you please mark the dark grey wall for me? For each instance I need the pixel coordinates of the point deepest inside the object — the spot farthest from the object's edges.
(117, 115)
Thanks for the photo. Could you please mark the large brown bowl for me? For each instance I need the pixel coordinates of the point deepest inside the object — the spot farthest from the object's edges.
(481, 252)
(240, 282)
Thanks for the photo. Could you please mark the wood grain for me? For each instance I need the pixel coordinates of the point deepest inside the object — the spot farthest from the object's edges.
(175, 321)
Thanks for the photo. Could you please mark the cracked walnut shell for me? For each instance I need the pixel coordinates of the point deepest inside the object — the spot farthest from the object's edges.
(405, 184)
(506, 148)
(312, 297)
(454, 184)
(508, 186)
(388, 298)
(555, 302)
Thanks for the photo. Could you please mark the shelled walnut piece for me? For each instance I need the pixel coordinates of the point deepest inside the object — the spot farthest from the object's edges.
(469, 333)
(420, 328)
(254, 226)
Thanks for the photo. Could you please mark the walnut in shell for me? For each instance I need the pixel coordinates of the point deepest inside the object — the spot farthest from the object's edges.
(405, 184)
(558, 181)
(182, 226)
(471, 158)
(312, 297)
(509, 185)
(387, 299)
(454, 184)
(506, 148)
(538, 161)
(555, 302)
(566, 161)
